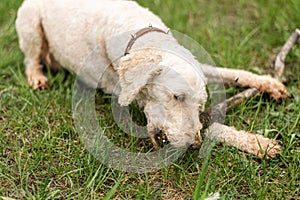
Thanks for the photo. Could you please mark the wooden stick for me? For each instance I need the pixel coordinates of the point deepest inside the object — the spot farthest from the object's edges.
(243, 140)
(217, 111)
(213, 113)
(280, 59)
(236, 99)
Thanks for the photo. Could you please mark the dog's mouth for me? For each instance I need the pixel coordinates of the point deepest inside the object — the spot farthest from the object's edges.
(159, 139)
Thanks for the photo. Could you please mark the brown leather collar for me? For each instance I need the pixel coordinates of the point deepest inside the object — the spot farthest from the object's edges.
(139, 34)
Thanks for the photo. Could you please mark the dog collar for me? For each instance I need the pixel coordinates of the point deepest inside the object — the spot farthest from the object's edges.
(139, 34)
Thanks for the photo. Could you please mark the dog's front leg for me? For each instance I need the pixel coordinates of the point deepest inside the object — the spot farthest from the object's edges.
(243, 140)
(246, 79)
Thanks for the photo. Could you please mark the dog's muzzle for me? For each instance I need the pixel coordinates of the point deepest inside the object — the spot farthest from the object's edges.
(159, 139)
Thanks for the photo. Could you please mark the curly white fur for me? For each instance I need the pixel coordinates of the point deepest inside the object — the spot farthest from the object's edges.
(94, 33)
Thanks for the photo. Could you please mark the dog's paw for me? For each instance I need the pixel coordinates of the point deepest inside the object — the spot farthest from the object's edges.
(37, 81)
(272, 86)
(262, 146)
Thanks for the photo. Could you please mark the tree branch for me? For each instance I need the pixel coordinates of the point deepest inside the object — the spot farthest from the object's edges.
(280, 59)
(213, 113)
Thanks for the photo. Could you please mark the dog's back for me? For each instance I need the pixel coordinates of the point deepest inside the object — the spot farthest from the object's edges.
(65, 31)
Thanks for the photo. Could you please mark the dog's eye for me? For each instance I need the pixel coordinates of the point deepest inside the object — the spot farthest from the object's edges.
(180, 98)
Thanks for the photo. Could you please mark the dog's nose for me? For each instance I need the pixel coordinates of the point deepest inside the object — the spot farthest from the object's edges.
(194, 146)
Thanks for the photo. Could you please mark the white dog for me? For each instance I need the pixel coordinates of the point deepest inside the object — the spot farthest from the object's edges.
(169, 86)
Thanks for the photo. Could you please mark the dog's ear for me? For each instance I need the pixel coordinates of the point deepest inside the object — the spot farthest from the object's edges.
(135, 71)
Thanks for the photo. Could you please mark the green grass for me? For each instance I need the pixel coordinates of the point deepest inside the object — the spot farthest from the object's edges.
(42, 157)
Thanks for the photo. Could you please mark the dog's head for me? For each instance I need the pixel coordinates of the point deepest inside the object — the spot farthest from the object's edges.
(171, 90)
